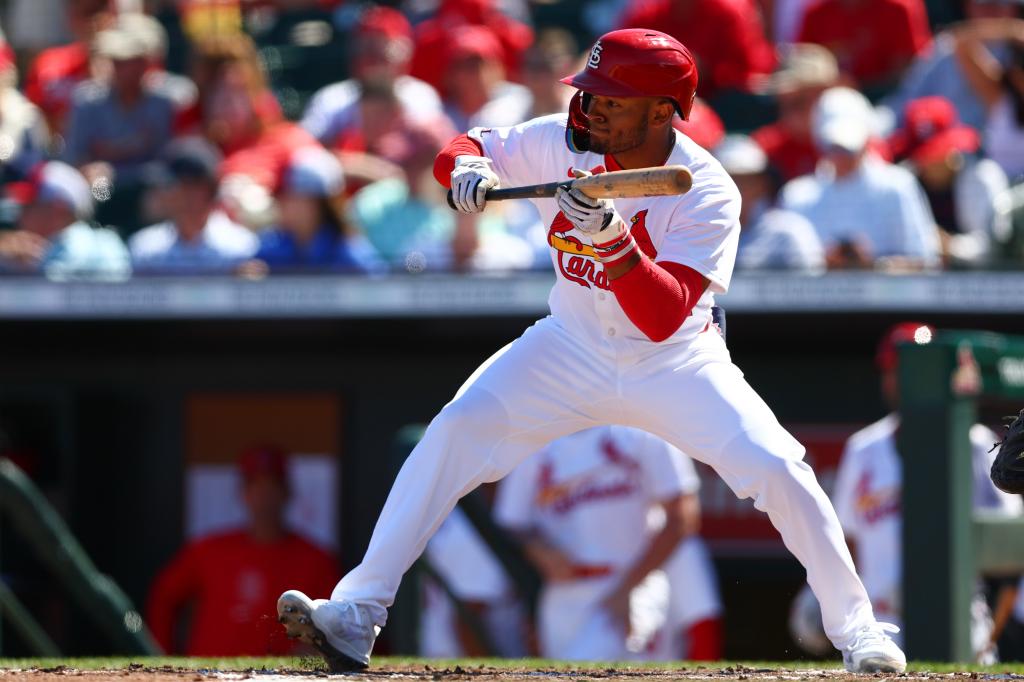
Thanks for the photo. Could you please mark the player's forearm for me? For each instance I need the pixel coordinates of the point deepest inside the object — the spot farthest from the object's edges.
(657, 552)
(444, 162)
(656, 297)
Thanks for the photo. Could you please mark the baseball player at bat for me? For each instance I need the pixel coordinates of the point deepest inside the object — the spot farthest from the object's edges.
(629, 341)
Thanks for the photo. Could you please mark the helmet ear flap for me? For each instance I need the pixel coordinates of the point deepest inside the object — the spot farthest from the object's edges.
(577, 128)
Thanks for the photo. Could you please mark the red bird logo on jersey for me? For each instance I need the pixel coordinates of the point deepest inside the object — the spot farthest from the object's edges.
(577, 261)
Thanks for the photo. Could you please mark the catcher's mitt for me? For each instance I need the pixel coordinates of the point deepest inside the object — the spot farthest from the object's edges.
(1008, 467)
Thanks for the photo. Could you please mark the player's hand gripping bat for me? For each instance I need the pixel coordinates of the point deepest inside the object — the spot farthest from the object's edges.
(639, 182)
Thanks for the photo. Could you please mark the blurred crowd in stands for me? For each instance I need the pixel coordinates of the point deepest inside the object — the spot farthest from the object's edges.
(249, 137)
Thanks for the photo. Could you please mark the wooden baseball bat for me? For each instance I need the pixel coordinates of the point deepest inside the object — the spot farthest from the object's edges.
(639, 182)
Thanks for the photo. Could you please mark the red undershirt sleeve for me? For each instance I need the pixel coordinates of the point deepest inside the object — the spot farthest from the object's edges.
(658, 297)
(444, 163)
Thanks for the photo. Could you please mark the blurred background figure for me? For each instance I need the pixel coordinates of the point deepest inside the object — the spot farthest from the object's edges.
(962, 188)
(381, 51)
(474, 89)
(24, 137)
(118, 125)
(231, 580)
(238, 113)
(477, 579)
(549, 58)
(938, 71)
(381, 141)
(999, 87)
(312, 231)
(175, 86)
(729, 57)
(54, 236)
(868, 492)
(53, 75)
(868, 212)
(197, 236)
(599, 513)
(874, 41)
(803, 73)
(453, 17)
(409, 224)
(770, 238)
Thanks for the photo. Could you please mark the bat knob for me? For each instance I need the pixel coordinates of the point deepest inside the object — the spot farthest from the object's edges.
(451, 201)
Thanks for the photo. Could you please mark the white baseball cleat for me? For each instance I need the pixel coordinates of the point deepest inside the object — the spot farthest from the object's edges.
(873, 651)
(342, 631)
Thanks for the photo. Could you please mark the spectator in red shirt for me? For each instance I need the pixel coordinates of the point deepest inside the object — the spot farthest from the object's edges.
(874, 41)
(726, 37)
(53, 75)
(232, 579)
(805, 71)
(238, 112)
(433, 35)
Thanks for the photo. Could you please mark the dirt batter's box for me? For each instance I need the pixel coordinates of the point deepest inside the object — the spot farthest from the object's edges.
(943, 380)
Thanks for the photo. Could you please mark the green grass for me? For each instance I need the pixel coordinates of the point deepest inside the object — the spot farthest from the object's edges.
(313, 664)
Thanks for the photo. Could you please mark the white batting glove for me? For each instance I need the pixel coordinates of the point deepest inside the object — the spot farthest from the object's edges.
(598, 219)
(471, 178)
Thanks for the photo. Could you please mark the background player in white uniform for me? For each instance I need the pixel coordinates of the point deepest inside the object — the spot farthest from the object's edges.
(868, 493)
(598, 512)
(629, 341)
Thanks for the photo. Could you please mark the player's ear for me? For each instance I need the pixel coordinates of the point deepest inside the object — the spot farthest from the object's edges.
(661, 112)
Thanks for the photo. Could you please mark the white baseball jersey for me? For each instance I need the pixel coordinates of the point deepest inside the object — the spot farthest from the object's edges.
(867, 497)
(699, 229)
(594, 495)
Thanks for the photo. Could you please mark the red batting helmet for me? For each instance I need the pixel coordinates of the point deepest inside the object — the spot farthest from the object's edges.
(631, 62)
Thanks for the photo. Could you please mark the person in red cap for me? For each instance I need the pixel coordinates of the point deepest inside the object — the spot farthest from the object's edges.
(961, 187)
(453, 16)
(632, 339)
(229, 579)
(874, 41)
(474, 88)
(868, 489)
(381, 52)
(731, 54)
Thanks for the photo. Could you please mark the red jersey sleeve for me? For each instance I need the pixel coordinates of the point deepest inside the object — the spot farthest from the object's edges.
(658, 297)
(444, 163)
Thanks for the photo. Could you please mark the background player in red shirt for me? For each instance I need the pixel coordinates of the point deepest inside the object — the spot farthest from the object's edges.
(231, 579)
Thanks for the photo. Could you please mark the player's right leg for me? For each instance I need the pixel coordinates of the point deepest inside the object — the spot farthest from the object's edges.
(702, 404)
(534, 390)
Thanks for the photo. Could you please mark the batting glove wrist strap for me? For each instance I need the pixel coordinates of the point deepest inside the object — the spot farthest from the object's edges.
(610, 252)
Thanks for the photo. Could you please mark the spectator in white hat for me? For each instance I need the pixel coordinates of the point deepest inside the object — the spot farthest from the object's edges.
(123, 123)
(868, 212)
(313, 230)
(54, 235)
(770, 238)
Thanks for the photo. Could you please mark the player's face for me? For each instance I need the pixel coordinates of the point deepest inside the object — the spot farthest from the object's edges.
(618, 124)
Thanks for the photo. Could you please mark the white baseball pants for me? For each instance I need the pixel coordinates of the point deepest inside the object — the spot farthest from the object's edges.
(548, 384)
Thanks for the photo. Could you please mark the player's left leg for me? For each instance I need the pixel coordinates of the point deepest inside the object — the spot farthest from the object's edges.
(535, 390)
(699, 401)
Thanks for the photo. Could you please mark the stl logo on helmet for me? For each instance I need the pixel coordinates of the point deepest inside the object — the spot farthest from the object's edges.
(595, 56)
